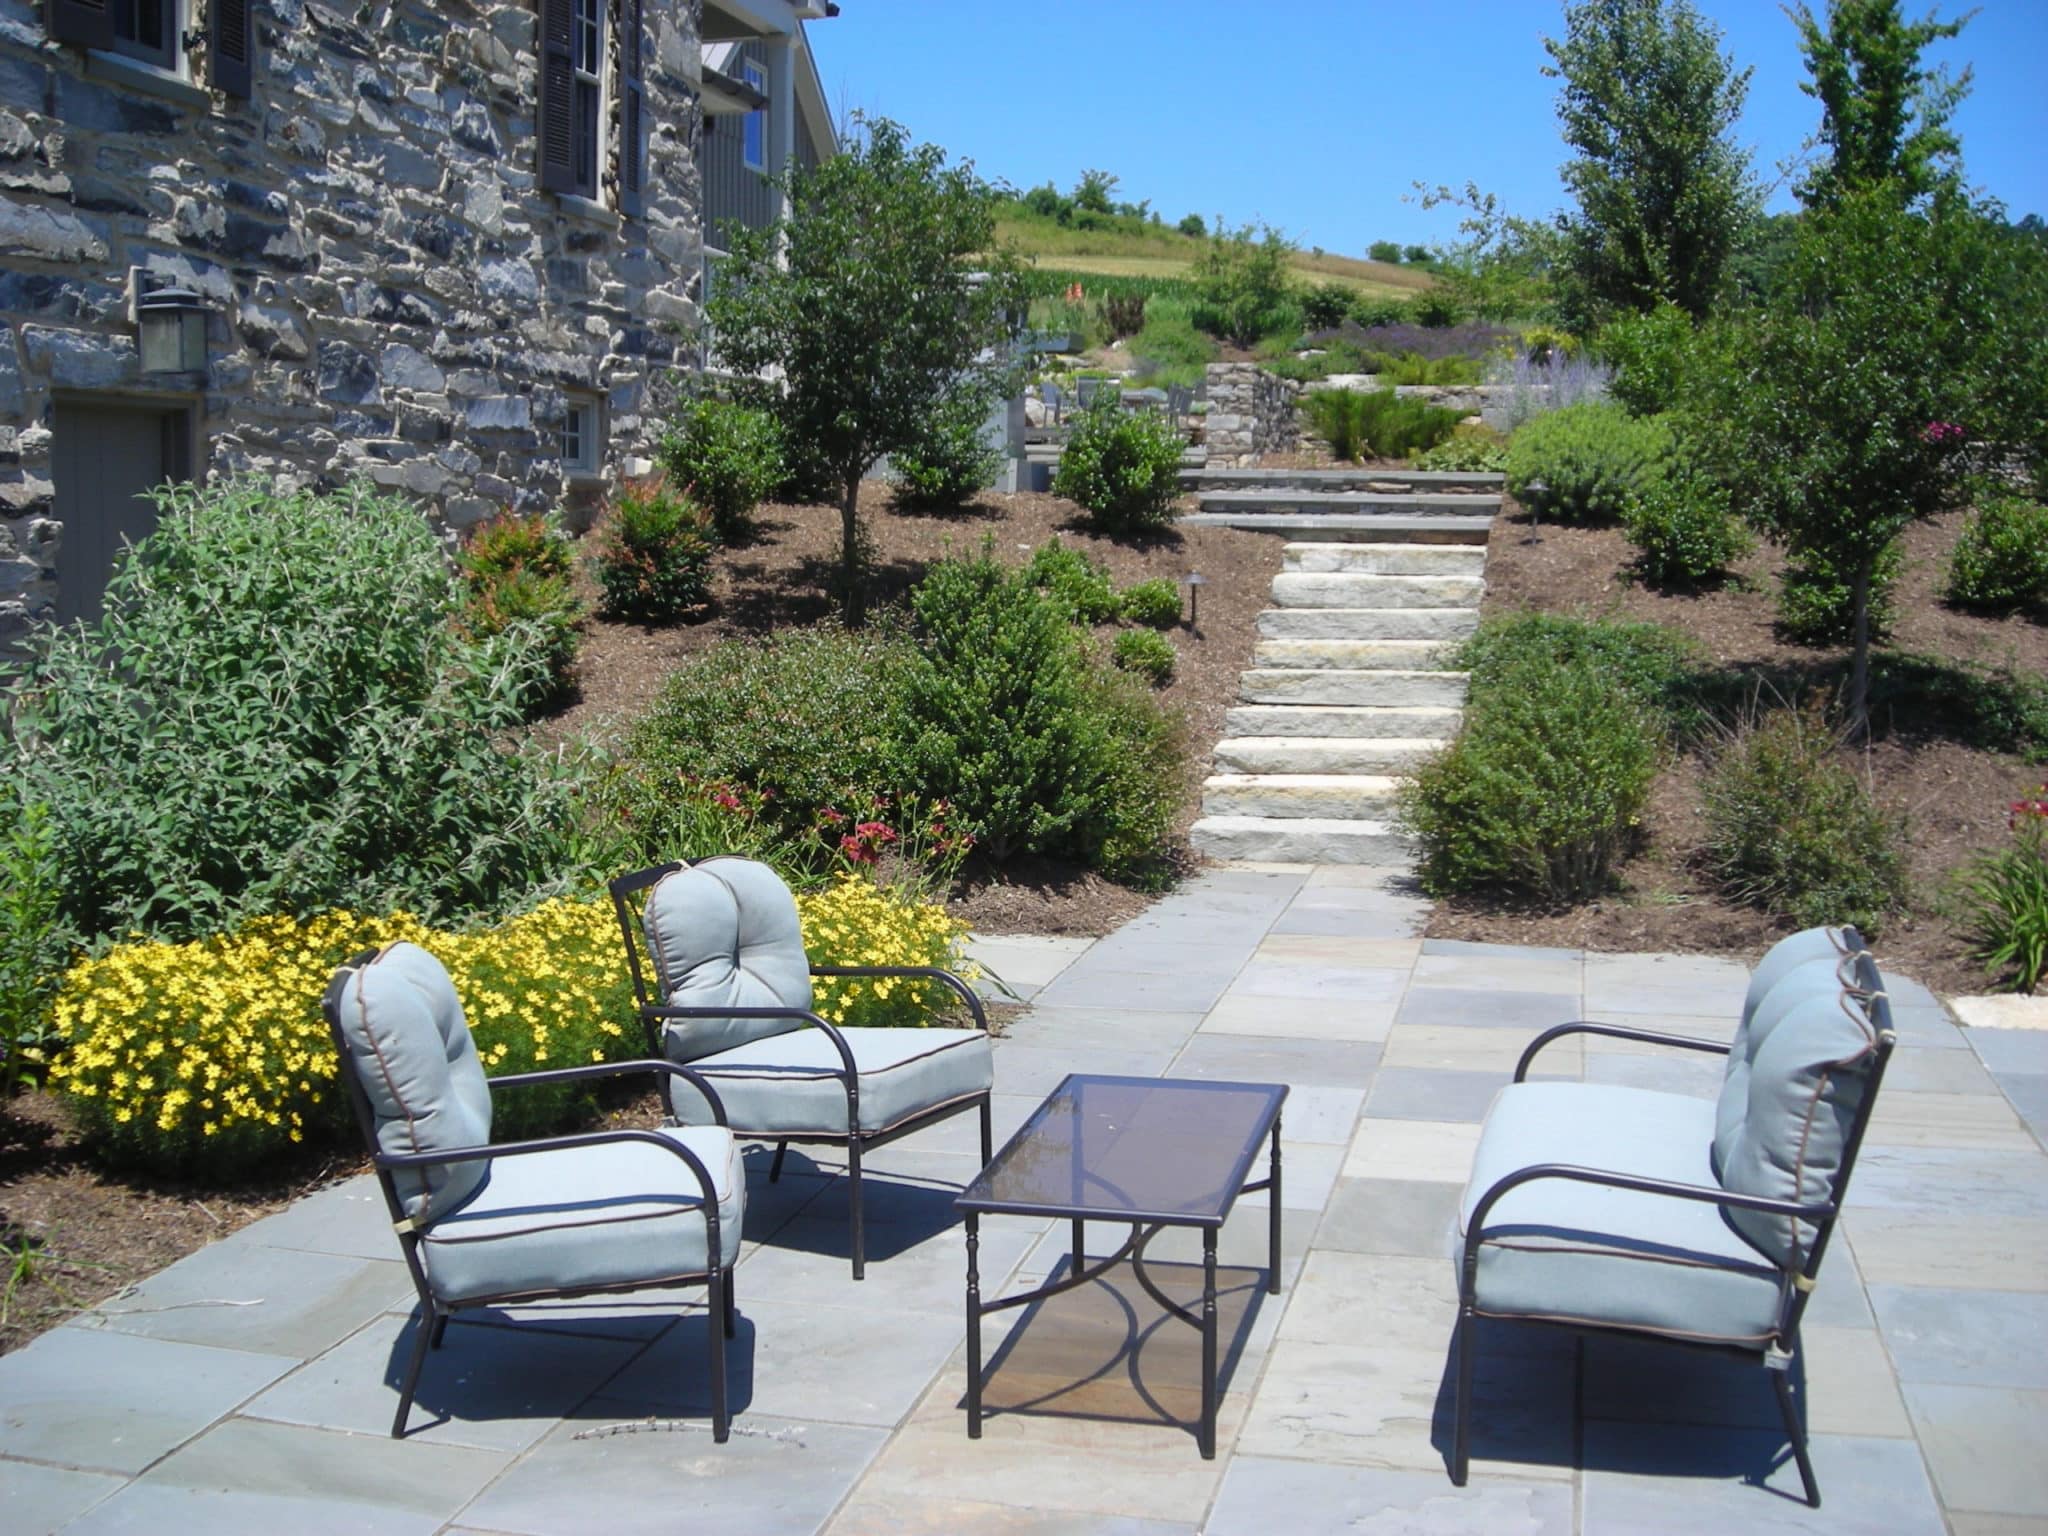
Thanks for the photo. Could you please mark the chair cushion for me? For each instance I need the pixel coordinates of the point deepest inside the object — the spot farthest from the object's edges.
(587, 1218)
(789, 1086)
(1820, 977)
(1808, 1076)
(725, 932)
(410, 1047)
(1571, 1252)
(1788, 954)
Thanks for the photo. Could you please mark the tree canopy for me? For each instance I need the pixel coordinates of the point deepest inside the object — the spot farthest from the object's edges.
(1884, 113)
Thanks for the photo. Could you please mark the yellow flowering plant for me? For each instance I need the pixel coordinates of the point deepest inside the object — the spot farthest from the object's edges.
(854, 922)
(212, 1056)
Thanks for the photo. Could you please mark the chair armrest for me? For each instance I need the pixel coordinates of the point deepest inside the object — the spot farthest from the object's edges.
(614, 1069)
(673, 1011)
(1617, 1032)
(965, 993)
(556, 1144)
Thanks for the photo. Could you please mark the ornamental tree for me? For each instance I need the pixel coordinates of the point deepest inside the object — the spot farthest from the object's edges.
(1884, 115)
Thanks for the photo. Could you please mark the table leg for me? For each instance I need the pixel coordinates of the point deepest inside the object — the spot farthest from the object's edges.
(973, 1325)
(1208, 1436)
(1273, 1218)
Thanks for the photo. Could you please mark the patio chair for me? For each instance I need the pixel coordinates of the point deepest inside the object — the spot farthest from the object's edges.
(1614, 1209)
(1178, 398)
(1053, 397)
(559, 1216)
(1085, 391)
(735, 1005)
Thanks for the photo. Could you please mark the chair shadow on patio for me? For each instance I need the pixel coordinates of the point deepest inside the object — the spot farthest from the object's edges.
(1106, 1350)
(1619, 1405)
(804, 1210)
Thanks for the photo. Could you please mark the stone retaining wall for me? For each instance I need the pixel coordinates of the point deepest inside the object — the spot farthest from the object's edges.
(1251, 412)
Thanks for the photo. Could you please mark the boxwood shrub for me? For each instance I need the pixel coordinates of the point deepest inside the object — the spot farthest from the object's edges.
(1585, 463)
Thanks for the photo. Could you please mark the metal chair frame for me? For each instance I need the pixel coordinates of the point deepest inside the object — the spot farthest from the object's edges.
(1795, 1285)
(435, 1312)
(856, 1141)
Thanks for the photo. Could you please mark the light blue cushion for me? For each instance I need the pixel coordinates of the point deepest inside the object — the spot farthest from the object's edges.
(1821, 978)
(587, 1218)
(1573, 1252)
(788, 1086)
(409, 1046)
(725, 933)
(1788, 955)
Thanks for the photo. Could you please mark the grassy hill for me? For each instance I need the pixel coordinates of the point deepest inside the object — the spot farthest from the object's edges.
(1152, 250)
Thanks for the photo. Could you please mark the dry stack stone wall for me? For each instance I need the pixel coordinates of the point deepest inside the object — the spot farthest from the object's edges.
(1251, 412)
(389, 292)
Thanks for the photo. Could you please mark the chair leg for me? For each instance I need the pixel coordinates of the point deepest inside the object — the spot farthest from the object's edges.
(729, 1304)
(1461, 1427)
(430, 1328)
(1796, 1433)
(440, 1328)
(854, 1221)
(715, 1318)
(775, 1168)
(988, 1135)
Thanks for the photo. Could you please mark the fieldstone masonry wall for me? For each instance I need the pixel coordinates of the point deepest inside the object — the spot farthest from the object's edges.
(1251, 412)
(389, 292)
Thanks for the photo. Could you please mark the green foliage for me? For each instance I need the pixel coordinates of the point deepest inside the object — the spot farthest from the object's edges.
(515, 570)
(275, 712)
(1590, 460)
(2005, 901)
(1992, 708)
(1122, 466)
(1664, 194)
(1817, 603)
(653, 558)
(2001, 561)
(1034, 748)
(1791, 829)
(1468, 450)
(1413, 368)
(33, 940)
(1325, 306)
(1438, 308)
(1649, 353)
(867, 303)
(1155, 603)
(1542, 792)
(1685, 533)
(1883, 115)
(1147, 653)
(1192, 226)
(1660, 669)
(1241, 288)
(1169, 350)
(1123, 314)
(1388, 251)
(727, 457)
(1377, 421)
(1078, 583)
(951, 461)
(1505, 268)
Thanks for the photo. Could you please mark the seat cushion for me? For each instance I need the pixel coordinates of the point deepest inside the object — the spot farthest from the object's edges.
(790, 1085)
(587, 1218)
(725, 933)
(1571, 1252)
(410, 1048)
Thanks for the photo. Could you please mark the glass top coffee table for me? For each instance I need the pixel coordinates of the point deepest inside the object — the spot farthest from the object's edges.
(1146, 1152)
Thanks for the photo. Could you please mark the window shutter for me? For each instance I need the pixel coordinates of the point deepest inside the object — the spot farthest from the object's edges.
(557, 97)
(232, 66)
(632, 119)
(87, 23)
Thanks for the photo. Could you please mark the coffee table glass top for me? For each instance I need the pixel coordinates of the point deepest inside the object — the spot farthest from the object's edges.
(1130, 1148)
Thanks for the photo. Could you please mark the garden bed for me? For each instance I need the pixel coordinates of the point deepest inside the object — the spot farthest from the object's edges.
(1953, 793)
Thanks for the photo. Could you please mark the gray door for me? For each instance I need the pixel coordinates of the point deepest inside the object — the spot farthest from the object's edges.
(106, 458)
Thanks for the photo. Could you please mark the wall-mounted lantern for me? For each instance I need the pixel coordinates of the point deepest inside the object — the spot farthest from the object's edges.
(170, 325)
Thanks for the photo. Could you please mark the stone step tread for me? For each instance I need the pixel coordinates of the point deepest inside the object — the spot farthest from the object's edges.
(1348, 674)
(1454, 503)
(1366, 546)
(1340, 755)
(1302, 839)
(1385, 783)
(1223, 477)
(1357, 655)
(1389, 744)
(1331, 526)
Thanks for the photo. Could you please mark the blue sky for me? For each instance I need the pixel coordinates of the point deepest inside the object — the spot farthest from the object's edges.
(1320, 120)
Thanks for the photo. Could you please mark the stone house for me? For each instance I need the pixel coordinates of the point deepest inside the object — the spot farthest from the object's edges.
(458, 248)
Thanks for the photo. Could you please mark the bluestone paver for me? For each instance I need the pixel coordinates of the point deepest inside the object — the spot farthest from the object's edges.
(1319, 1497)
(1965, 1338)
(1409, 1216)
(1278, 1059)
(1984, 1446)
(1533, 1008)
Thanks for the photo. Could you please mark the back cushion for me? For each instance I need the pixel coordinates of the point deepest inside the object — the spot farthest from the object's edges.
(410, 1047)
(724, 933)
(1808, 1073)
(1816, 978)
(1786, 956)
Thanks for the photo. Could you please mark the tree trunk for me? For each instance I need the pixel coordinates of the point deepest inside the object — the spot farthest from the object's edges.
(1859, 655)
(853, 592)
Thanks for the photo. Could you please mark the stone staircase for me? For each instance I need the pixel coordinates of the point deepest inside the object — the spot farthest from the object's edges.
(1348, 688)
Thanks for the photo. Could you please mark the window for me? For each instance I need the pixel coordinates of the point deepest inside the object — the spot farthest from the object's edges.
(592, 138)
(754, 133)
(588, 63)
(583, 438)
(147, 30)
(122, 34)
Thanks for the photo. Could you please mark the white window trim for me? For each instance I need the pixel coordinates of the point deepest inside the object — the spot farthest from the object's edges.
(174, 82)
(589, 464)
(601, 73)
(754, 123)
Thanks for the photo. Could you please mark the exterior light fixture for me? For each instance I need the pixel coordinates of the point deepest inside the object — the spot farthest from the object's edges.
(1536, 491)
(1194, 581)
(170, 325)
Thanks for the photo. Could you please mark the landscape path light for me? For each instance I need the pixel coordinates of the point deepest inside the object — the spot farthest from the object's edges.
(1194, 581)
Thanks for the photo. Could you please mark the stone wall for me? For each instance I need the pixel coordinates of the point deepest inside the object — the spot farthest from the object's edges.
(389, 293)
(1251, 412)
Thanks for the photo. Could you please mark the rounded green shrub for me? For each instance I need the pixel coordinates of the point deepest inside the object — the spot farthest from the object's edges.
(1649, 354)
(1155, 603)
(1122, 466)
(1073, 579)
(1585, 463)
(951, 461)
(727, 457)
(1145, 652)
(1685, 533)
(653, 560)
(1792, 829)
(1467, 450)
(517, 573)
(1661, 669)
(1817, 605)
(2001, 561)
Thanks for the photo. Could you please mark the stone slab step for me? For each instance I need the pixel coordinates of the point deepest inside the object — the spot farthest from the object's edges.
(1282, 499)
(1350, 477)
(1354, 655)
(1352, 589)
(1323, 754)
(1326, 685)
(1365, 527)
(1294, 796)
(1386, 559)
(1309, 840)
(1395, 722)
(1367, 623)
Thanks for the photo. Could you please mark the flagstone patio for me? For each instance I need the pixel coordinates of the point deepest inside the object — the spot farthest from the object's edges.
(250, 1386)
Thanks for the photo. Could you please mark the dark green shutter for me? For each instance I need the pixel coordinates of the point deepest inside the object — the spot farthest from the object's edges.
(86, 23)
(557, 97)
(632, 116)
(232, 66)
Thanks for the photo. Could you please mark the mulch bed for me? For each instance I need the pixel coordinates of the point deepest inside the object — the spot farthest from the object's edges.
(1953, 796)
